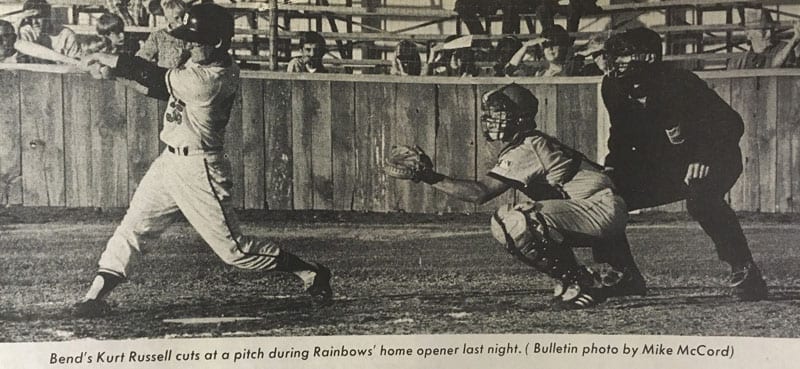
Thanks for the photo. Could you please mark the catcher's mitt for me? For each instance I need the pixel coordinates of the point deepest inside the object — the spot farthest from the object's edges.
(407, 162)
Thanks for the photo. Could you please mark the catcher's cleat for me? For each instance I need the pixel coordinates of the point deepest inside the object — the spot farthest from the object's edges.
(577, 298)
(748, 284)
(320, 289)
(91, 309)
(626, 283)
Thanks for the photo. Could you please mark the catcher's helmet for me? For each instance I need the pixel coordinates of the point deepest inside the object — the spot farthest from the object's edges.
(507, 111)
(629, 52)
(206, 24)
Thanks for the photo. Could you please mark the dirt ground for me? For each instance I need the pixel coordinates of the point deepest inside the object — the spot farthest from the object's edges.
(394, 274)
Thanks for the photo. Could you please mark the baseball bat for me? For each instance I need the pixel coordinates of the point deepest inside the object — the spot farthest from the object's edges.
(41, 52)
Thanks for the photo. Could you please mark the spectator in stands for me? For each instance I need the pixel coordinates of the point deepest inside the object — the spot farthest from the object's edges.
(407, 61)
(471, 10)
(448, 60)
(313, 48)
(160, 46)
(558, 56)
(40, 29)
(594, 55)
(789, 54)
(505, 50)
(132, 12)
(111, 27)
(7, 39)
(573, 11)
(764, 47)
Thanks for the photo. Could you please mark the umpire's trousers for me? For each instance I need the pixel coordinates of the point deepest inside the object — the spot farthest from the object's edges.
(651, 185)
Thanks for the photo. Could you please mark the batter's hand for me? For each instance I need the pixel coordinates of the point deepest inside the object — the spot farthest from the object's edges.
(696, 171)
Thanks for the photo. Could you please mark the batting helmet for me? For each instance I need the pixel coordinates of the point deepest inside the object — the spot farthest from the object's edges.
(206, 24)
(507, 111)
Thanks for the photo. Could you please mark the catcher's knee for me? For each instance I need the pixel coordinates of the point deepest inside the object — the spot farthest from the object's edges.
(526, 236)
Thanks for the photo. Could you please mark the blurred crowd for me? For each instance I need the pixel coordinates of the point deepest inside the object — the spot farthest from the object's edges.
(550, 53)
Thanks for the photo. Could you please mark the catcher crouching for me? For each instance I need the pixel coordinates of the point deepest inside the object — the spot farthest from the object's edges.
(574, 202)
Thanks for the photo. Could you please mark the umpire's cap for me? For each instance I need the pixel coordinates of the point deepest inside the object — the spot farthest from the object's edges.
(207, 24)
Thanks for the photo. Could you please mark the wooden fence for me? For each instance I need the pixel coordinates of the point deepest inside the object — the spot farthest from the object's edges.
(317, 141)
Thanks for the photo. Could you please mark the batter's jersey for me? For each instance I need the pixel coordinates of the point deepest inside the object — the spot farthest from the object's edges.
(539, 165)
(201, 98)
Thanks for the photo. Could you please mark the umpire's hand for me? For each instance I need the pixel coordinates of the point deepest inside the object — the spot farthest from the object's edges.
(696, 171)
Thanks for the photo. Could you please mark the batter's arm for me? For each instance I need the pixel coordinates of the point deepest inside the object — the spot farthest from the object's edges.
(137, 69)
(477, 192)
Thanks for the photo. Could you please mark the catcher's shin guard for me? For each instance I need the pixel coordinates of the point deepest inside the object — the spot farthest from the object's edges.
(526, 236)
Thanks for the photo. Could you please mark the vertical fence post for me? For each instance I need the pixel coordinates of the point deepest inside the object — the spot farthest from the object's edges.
(273, 35)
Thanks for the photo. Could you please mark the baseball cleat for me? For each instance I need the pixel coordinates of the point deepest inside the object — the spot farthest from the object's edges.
(748, 284)
(629, 282)
(91, 309)
(320, 289)
(577, 298)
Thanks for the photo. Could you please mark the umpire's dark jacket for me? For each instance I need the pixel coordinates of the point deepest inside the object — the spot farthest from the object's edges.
(678, 121)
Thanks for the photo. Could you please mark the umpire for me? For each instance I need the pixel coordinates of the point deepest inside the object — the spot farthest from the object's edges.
(673, 138)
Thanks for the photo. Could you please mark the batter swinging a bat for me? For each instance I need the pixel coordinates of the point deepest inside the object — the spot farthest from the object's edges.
(192, 175)
(574, 202)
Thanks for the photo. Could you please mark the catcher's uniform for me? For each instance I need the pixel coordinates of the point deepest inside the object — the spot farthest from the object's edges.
(571, 195)
(191, 176)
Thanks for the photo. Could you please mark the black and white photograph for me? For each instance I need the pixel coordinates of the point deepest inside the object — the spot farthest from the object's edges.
(399, 183)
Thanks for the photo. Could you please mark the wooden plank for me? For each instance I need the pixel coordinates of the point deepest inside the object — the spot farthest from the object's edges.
(311, 137)
(78, 173)
(42, 121)
(768, 145)
(234, 149)
(143, 118)
(486, 157)
(547, 117)
(456, 141)
(374, 106)
(302, 131)
(414, 124)
(576, 117)
(343, 145)
(317, 108)
(253, 143)
(278, 135)
(722, 86)
(788, 137)
(109, 138)
(745, 100)
(10, 140)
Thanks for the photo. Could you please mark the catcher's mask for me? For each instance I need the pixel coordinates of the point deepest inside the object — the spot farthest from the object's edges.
(630, 53)
(506, 111)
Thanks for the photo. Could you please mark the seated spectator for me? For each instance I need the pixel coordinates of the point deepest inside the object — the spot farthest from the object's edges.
(764, 47)
(576, 9)
(505, 50)
(558, 56)
(451, 59)
(313, 48)
(7, 39)
(160, 46)
(39, 29)
(112, 28)
(471, 10)
(594, 55)
(407, 61)
(789, 54)
(132, 12)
